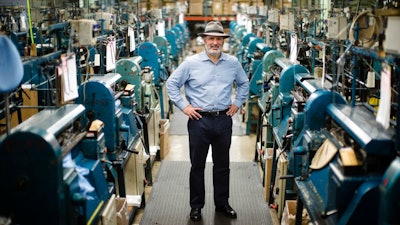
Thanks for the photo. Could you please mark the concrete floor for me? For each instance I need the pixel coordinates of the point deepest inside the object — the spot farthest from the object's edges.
(242, 150)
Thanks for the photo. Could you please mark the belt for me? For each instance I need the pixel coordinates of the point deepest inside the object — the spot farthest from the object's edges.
(213, 113)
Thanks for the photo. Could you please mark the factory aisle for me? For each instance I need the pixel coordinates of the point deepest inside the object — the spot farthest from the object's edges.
(242, 152)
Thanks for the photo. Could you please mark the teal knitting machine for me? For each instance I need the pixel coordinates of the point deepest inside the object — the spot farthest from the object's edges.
(177, 37)
(47, 177)
(344, 186)
(336, 159)
(147, 107)
(237, 38)
(351, 168)
(253, 54)
(153, 61)
(288, 87)
(110, 99)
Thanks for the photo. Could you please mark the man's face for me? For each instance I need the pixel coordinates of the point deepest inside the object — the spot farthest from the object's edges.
(213, 45)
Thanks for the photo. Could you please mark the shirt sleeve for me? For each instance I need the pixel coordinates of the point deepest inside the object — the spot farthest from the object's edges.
(174, 84)
(242, 86)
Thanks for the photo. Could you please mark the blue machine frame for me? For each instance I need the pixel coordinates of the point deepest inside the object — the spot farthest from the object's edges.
(34, 174)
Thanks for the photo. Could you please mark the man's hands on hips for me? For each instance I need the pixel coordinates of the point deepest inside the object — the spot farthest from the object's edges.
(232, 110)
(192, 112)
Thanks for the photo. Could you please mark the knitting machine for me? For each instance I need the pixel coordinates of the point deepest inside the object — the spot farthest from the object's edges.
(47, 177)
(336, 159)
(177, 37)
(182, 33)
(153, 60)
(347, 155)
(288, 87)
(243, 49)
(162, 55)
(183, 30)
(389, 195)
(37, 88)
(111, 100)
(152, 114)
(350, 172)
(237, 34)
(165, 52)
(251, 51)
(37, 76)
(173, 38)
(147, 103)
(277, 74)
(50, 38)
(254, 52)
(146, 95)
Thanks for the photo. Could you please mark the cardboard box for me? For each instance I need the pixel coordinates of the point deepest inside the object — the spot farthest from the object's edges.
(337, 28)
(196, 9)
(289, 214)
(228, 8)
(286, 21)
(109, 214)
(273, 16)
(121, 206)
(134, 173)
(278, 191)
(164, 138)
(217, 8)
(268, 170)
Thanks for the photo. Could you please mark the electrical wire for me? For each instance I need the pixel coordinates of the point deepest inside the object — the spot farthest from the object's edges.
(29, 19)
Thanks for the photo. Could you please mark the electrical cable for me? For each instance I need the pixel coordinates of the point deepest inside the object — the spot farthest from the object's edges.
(29, 20)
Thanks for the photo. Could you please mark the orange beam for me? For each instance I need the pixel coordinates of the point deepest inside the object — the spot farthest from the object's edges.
(209, 18)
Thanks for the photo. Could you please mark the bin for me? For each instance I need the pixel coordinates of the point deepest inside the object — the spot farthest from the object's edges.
(122, 211)
(164, 138)
(289, 214)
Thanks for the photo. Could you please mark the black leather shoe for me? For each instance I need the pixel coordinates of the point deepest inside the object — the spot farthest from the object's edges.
(195, 214)
(227, 210)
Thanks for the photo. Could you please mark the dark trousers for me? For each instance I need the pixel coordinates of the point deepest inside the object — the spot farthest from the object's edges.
(217, 132)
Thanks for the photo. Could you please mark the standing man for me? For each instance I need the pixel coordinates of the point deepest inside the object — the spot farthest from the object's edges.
(208, 78)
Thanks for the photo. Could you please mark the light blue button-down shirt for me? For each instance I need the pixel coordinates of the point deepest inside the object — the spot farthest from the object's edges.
(207, 85)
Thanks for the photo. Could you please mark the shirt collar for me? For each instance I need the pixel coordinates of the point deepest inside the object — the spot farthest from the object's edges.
(204, 56)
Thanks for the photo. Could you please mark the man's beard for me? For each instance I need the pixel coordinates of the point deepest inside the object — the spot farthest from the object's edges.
(213, 52)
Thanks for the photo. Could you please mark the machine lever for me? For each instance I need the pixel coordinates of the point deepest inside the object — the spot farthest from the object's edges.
(328, 213)
(286, 177)
(134, 152)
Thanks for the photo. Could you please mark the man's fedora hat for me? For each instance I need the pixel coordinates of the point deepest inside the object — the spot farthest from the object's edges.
(214, 28)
